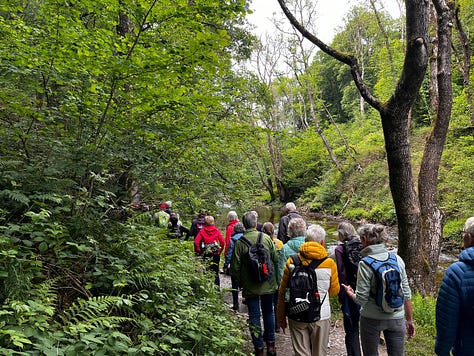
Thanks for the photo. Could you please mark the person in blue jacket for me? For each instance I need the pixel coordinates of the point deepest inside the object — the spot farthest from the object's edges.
(237, 233)
(455, 303)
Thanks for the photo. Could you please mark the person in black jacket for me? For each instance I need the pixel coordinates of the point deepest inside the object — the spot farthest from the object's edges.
(290, 208)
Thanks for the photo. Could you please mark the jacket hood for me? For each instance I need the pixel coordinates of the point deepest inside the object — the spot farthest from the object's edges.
(295, 243)
(210, 230)
(467, 256)
(313, 250)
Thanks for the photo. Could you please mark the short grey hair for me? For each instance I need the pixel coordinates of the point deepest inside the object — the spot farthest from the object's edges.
(290, 207)
(249, 219)
(315, 233)
(469, 226)
(239, 227)
(373, 233)
(232, 215)
(296, 227)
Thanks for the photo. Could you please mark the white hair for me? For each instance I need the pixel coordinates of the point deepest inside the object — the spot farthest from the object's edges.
(469, 225)
(290, 207)
(316, 233)
(232, 215)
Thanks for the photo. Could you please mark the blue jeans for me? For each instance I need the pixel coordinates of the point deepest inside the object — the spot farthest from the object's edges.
(265, 302)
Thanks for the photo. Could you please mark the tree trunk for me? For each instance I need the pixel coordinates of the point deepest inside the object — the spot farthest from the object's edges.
(465, 66)
(432, 219)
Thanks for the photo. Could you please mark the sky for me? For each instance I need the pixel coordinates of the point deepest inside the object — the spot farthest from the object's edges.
(331, 14)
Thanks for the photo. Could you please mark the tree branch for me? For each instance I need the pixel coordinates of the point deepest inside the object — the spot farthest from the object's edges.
(345, 58)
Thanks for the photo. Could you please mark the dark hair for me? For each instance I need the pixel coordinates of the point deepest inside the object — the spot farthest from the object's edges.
(268, 228)
(239, 227)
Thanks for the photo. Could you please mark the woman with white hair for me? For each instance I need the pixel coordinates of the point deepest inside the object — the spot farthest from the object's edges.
(311, 338)
(232, 219)
(296, 232)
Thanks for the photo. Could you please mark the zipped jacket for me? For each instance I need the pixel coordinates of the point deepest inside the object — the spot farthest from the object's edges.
(328, 281)
(240, 269)
(455, 308)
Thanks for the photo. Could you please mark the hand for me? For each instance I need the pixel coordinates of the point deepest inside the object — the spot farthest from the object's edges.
(410, 326)
(283, 325)
(349, 291)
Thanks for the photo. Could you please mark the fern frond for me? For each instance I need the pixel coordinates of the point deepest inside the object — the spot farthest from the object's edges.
(95, 312)
(142, 218)
(15, 195)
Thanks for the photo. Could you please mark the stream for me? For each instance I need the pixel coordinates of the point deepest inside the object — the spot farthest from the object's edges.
(329, 223)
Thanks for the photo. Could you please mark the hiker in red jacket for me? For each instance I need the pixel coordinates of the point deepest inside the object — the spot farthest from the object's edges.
(209, 244)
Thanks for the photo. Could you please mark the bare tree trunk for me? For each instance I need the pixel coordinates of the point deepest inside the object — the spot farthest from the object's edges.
(434, 100)
(432, 219)
(465, 65)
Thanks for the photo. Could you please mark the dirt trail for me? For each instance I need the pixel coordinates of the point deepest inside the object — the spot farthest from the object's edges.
(283, 341)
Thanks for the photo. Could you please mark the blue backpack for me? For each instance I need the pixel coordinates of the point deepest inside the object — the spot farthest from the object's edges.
(389, 295)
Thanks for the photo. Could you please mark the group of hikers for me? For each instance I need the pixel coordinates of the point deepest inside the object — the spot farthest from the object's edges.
(287, 277)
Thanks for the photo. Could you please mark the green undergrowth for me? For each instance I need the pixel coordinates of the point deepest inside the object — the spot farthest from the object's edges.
(130, 292)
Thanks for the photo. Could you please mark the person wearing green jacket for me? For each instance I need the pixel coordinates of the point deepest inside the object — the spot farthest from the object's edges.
(258, 295)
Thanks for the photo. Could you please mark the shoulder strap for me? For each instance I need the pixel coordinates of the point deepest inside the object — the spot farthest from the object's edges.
(260, 237)
(245, 241)
(296, 259)
(315, 263)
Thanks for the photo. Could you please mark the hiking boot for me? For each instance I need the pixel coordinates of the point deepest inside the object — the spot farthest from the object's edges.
(259, 351)
(271, 350)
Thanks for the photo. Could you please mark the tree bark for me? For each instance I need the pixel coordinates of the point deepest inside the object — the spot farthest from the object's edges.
(432, 219)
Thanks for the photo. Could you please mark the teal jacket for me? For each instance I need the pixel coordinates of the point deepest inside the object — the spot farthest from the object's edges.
(240, 269)
(289, 248)
(367, 285)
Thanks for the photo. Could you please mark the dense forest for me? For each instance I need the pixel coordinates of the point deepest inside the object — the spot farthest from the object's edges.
(105, 104)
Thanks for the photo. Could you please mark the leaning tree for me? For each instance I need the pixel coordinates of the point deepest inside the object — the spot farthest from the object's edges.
(420, 221)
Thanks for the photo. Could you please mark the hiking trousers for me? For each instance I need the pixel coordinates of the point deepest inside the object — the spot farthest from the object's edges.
(393, 331)
(310, 339)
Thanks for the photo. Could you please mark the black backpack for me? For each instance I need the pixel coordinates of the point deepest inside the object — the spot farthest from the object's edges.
(261, 266)
(351, 257)
(305, 303)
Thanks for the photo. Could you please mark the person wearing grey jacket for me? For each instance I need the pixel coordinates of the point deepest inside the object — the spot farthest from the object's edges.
(373, 319)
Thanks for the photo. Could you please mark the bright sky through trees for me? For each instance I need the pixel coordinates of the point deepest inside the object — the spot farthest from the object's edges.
(330, 16)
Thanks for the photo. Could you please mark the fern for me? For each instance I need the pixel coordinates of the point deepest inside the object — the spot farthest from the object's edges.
(85, 315)
(15, 195)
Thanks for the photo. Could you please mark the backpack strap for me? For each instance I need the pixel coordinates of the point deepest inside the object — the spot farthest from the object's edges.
(245, 241)
(248, 243)
(296, 259)
(315, 263)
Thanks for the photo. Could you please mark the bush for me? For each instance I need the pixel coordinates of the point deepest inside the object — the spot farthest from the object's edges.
(424, 316)
(139, 294)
